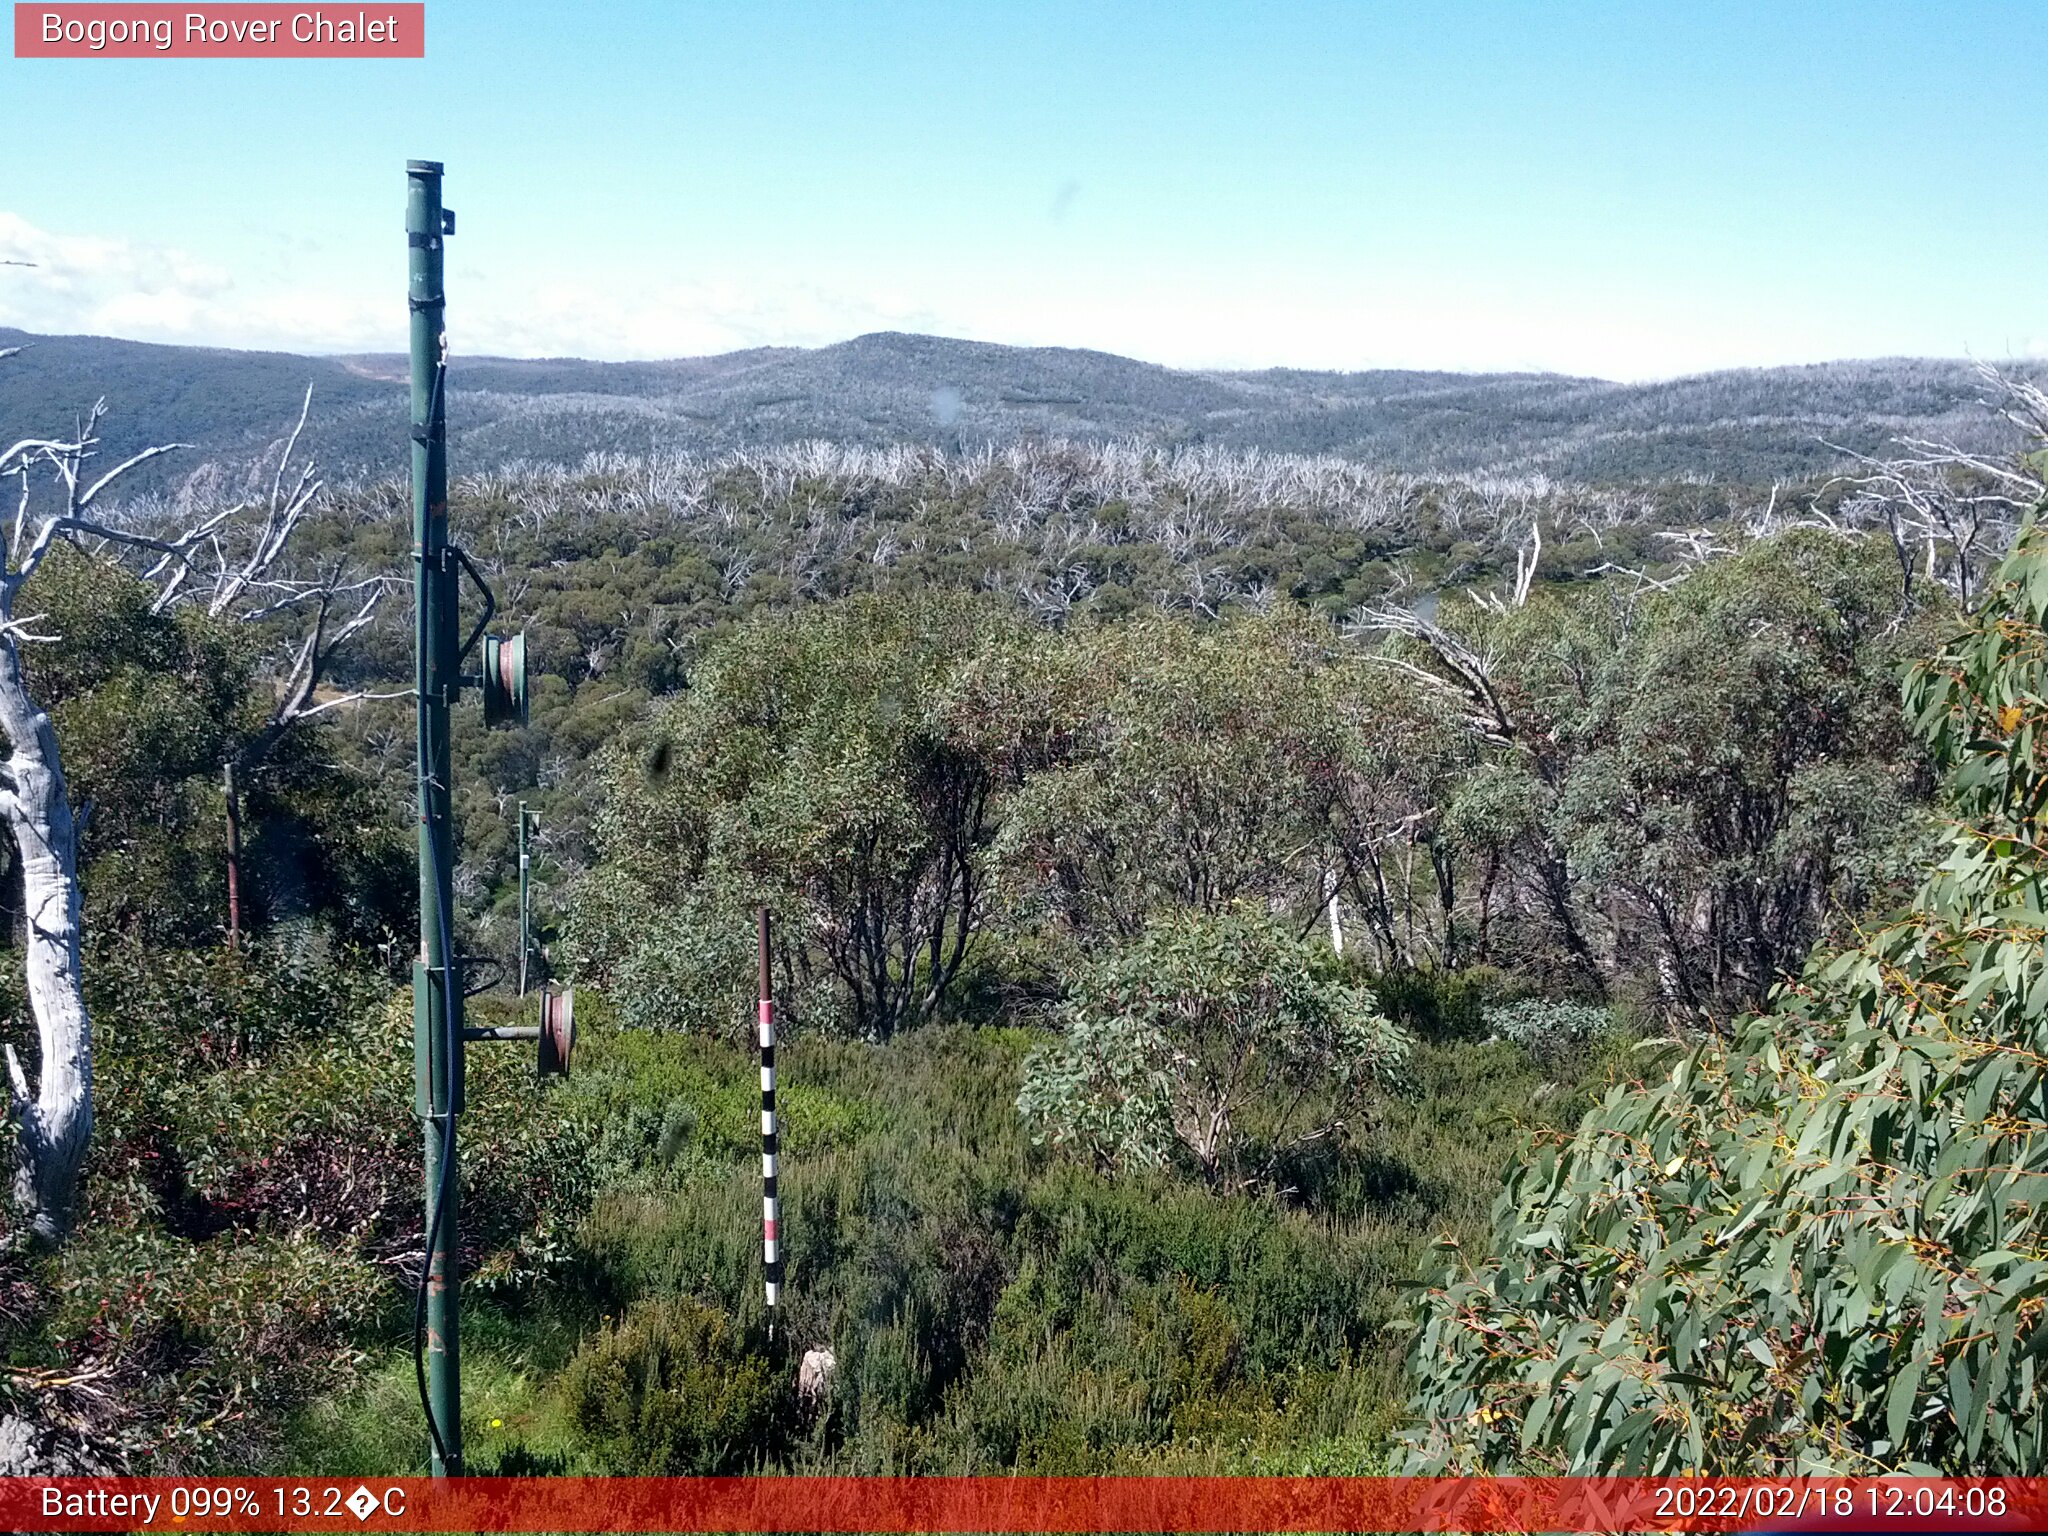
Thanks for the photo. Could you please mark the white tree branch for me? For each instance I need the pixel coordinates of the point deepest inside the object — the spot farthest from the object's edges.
(361, 696)
(156, 452)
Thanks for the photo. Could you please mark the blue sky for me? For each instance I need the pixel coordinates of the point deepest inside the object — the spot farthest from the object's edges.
(1633, 191)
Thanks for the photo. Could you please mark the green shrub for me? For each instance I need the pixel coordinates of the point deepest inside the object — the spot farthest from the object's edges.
(685, 965)
(255, 1198)
(1207, 1037)
(666, 1105)
(1153, 1326)
(172, 1027)
(1440, 1006)
(992, 1307)
(193, 1347)
(1549, 1029)
(323, 1136)
(670, 1390)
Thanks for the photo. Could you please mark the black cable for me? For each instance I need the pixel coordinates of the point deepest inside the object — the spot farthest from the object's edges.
(452, 1044)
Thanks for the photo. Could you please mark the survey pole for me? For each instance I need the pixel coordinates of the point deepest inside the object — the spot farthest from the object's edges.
(437, 992)
(771, 1150)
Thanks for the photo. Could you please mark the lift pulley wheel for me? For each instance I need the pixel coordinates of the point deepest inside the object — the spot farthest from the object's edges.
(504, 680)
(557, 1030)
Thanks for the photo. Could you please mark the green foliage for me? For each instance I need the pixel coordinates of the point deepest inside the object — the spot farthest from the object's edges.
(664, 1102)
(1549, 1029)
(628, 573)
(992, 1308)
(1440, 1005)
(149, 708)
(1171, 1040)
(254, 1189)
(167, 1021)
(1718, 769)
(194, 1344)
(1164, 764)
(956, 814)
(1696, 785)
(682, 963)
(670, 1391)
(1816, 1245)
(895, 1162)
(1698, 778)
(202, 1009)
(1110, 1358)
(811, 768)
(370, 1427)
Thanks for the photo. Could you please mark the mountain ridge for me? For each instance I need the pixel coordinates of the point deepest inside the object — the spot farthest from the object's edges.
(891, 386)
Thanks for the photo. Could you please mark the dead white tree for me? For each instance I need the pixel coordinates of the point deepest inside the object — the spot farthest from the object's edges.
(245, 577)
(229, 558)
(1054, 601)
(55, 1117)
(1463, 675)
(1951, 513)
(1527, 555)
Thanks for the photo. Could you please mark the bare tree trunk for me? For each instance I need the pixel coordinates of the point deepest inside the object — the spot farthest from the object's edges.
(56, 1122)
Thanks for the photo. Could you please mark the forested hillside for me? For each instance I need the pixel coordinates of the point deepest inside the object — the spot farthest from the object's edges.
(1198, 874)
(884, 390)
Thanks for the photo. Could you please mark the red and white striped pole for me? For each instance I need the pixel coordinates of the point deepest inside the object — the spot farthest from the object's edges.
(771, 1206)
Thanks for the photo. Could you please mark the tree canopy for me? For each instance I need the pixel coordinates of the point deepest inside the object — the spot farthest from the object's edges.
(1817, 1245)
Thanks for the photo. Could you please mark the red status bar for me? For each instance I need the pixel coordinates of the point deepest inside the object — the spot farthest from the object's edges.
(1022, 1504)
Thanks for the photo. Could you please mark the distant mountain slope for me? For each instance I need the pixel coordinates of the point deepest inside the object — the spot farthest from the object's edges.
(1748, 425)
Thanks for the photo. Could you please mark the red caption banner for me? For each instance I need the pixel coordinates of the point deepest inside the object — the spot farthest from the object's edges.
(1021, 1504)
(235, 31)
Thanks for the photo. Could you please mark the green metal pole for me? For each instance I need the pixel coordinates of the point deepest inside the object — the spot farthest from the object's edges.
(437, 994)
(525, 911)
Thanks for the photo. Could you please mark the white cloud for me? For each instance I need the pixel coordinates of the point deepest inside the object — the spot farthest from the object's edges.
(343, 300)
(95, 285)
(87, 283)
